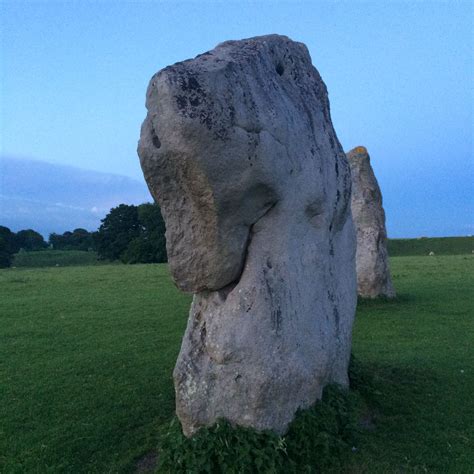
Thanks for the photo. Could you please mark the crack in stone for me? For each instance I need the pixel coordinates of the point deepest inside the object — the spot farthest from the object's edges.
(258, 130)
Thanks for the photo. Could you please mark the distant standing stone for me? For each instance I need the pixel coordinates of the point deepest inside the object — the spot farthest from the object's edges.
(373, 271)
(239, 150)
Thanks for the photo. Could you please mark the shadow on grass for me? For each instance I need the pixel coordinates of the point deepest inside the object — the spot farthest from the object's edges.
(413, 422)
(373, 380)
(383, 301)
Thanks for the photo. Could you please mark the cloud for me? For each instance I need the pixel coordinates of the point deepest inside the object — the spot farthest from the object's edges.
(55, 198)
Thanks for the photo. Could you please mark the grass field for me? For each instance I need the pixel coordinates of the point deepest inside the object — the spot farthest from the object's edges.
(86, 355)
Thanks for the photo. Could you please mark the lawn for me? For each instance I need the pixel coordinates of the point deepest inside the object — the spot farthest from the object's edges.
(86, 355)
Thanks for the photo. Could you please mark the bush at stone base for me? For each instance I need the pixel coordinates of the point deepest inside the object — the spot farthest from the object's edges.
(321, 437)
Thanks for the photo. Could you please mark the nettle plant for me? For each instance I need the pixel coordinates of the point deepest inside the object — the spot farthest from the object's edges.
(319, 438)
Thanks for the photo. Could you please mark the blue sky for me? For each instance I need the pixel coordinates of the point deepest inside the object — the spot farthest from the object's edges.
(399, 75)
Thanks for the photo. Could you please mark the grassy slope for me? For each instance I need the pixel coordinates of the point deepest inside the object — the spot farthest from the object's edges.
(425, 245)
(396, 247)
(52, 258)
(86, 356)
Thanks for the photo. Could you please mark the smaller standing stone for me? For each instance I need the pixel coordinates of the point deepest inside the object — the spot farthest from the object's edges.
(373, 272)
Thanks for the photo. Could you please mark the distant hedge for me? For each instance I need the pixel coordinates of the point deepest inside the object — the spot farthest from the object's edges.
(425, 245)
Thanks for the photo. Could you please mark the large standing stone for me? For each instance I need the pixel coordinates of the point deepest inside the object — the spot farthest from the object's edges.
(373, 272)
(239, 150)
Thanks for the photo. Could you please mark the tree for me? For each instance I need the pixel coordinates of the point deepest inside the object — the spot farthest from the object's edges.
(133, 234)
(150, 245)
(78, 239)
(82, 239)
(58, 241)
(30, 240)
(6, 259)
(8, 246)
(119, 227)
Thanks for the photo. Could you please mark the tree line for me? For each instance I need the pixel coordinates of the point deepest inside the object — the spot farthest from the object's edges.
(131, 234)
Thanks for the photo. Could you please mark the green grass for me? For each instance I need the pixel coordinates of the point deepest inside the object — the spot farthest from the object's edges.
(53, 258)
(86, 355)
(425, 245)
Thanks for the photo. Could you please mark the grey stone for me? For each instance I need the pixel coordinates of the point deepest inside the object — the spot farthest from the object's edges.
(239, 150)
(373, 271)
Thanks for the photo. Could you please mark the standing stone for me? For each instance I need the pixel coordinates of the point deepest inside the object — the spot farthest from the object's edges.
(239, 150)
(373, 272)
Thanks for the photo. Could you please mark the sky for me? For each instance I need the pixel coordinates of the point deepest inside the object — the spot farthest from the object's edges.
(399, 75)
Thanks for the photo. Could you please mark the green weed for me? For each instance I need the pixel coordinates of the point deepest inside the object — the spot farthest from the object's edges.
(319, 438)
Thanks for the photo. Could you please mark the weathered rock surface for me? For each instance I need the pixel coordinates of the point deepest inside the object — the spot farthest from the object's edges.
(239, 150)
(373, 272)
